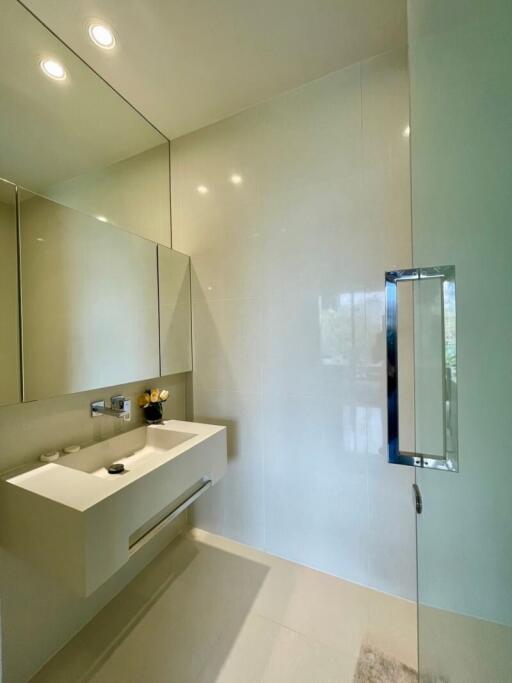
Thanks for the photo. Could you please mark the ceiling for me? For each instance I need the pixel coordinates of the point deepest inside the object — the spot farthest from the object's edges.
(188, 63)
(52, 131)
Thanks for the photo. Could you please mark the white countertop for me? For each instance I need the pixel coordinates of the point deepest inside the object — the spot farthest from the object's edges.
(81, 490)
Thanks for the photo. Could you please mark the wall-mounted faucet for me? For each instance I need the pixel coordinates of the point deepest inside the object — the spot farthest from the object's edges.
(120, 407)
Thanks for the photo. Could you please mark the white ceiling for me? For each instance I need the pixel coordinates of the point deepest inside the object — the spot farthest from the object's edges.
(52, 131)
(188, 63)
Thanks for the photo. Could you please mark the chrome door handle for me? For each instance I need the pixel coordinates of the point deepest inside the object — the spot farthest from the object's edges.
(449, 459)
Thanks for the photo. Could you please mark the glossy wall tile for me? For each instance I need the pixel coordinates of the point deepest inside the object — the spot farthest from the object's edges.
(292, 211)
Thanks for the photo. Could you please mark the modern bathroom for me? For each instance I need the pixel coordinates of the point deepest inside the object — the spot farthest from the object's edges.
(256, 343)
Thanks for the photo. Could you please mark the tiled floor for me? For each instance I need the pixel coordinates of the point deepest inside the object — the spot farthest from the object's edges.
(210, 610)
(459, 649)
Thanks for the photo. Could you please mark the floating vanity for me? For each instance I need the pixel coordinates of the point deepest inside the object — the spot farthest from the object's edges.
(75, 520)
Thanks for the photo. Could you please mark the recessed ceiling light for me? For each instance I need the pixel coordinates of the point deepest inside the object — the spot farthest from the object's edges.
(236, 179)
(53, 69)
(202, 189)
(103, 219)
(102, 36)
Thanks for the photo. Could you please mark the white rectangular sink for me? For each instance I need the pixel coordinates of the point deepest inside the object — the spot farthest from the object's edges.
(140, 447)
(76, 521)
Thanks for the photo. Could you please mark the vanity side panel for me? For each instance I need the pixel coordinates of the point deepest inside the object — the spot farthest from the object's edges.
(46, 534)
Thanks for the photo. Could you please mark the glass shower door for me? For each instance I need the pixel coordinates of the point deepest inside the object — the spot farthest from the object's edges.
(461, 142)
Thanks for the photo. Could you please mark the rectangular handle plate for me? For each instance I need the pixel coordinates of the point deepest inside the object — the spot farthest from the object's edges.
(449, 459)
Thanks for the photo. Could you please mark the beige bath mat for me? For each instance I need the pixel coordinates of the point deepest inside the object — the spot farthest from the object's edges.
(374, 666)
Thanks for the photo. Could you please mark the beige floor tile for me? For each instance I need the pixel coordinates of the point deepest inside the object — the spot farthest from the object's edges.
(392, 626)
(210, 610)
(455, 647)
(205, 605)
(307, 601)
(266, 652)
(317, 605)
(163, 626)
(337, 613)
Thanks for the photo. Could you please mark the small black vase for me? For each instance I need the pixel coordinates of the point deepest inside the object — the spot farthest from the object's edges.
(153, 413)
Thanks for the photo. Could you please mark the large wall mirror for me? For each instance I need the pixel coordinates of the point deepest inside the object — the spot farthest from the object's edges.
(89, 301)
(84, 204)
(74, 139)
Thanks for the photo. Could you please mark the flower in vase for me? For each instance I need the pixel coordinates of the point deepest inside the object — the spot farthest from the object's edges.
(144, 400)
(151, 402)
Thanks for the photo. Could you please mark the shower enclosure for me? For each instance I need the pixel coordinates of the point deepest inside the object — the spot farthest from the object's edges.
(460, 56)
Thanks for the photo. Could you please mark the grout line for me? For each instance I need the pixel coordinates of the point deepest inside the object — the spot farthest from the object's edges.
(307, 636)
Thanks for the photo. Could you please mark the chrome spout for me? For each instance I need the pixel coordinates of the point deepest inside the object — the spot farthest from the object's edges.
(120, 408)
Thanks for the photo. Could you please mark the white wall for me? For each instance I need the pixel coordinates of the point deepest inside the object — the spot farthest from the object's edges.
(288, 318)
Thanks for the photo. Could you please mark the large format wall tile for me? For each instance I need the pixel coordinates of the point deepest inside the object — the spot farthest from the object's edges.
(288, 306)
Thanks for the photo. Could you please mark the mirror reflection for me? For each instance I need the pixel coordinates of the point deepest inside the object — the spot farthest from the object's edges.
(87, 203)
(89, 301)
(175, 311)
(67, 135)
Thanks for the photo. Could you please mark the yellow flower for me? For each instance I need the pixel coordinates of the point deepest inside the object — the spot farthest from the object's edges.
(154, 395)
(164, 395)
(143, 400)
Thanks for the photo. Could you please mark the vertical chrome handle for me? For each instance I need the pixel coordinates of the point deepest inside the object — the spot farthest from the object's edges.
(449, 459)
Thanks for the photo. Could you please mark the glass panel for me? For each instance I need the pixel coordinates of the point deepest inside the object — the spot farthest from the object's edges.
(175, 311)
(9, 330)
(461, 104)
(76, 140)
(89, 302)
